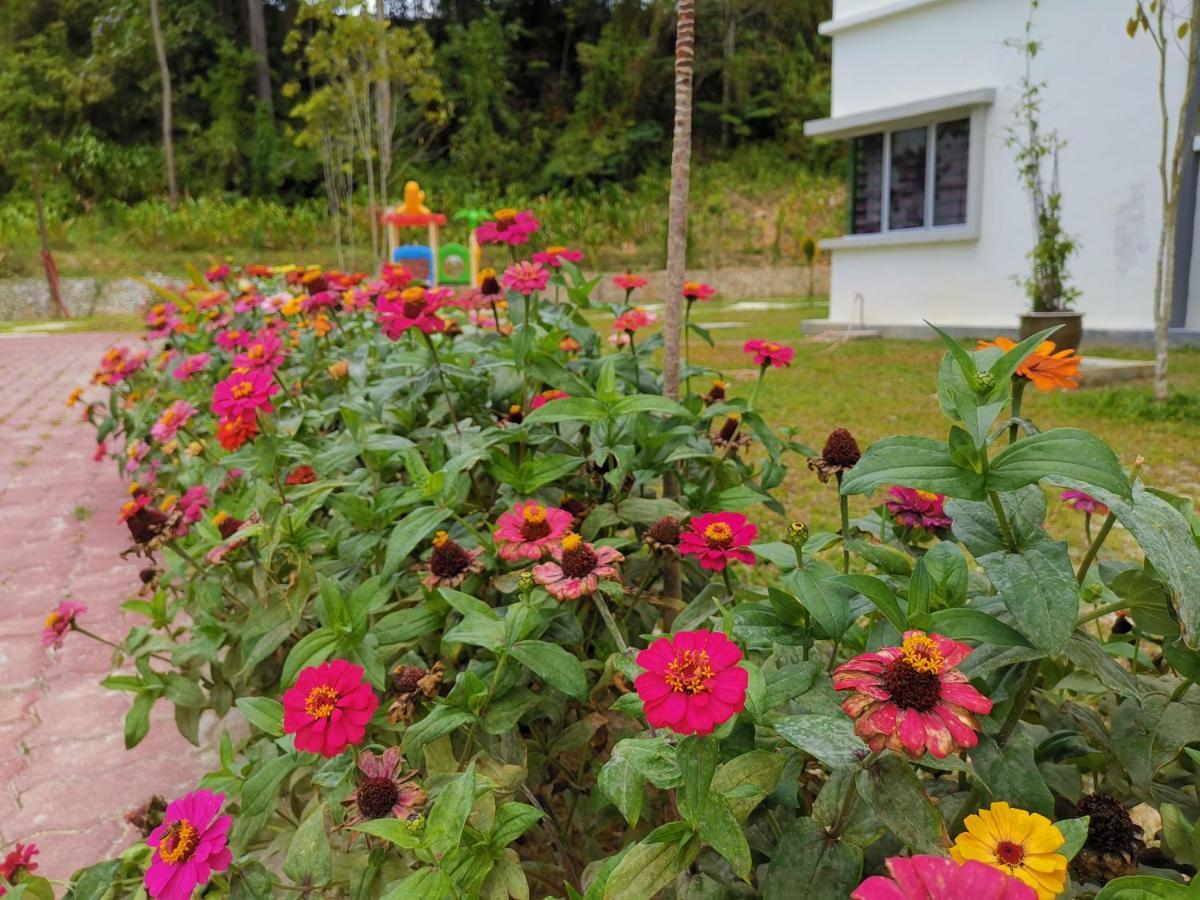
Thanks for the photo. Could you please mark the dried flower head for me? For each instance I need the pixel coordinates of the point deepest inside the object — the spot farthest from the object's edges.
(840, 454)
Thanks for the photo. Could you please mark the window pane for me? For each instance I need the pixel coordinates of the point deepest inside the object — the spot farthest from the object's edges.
(950, 181)
(907, 203)
(866, 184)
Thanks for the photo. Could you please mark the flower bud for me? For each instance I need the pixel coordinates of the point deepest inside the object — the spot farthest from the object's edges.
(984, 382)
(525, 582)
(797, 534)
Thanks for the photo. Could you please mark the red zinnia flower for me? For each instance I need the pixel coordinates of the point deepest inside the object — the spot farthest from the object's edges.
(697, 290)
(329, 707)
(692, 681)
(633, 319)
(912, 698)
(768, 353)
(232, 433)
(918, 509)
(18, 860)
(629, 282)
(716, 539)
(301, 475)
(938, 878)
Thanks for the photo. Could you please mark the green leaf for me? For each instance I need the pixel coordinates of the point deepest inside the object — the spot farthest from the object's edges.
(394, 831)
(624, 786)
(976, 526)
(309, 857)
(697, 758)
(424, 884)
(886, 559)
(264, 713)
(894, 791)
(477, 630)
(648, 403)
(554, 665)
(94, 882)
(1146, 887)
(647, 511)
(406, 625)
(448, 814)
(826, 600)
(410, 531)
(441, 720)
(914, 462)
(1038, 586)
(809, 862)
(879, 594)
(721, 829)
(745, 780)
(1063, 452)
(568, 409)
(512, 820)
(648, 868)
(183, 691)
(966, 624)
(830, 739)
(1075, 831)
(312, 649)
(137, 720)
(1012, 774)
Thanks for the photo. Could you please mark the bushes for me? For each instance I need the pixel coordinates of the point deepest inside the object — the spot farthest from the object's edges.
(426, 554)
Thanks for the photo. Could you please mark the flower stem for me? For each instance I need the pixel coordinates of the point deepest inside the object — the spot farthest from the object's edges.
(844, 504)
(610, 623)
(1100, 611)
(762, 372)
(1010, 539)
(637, 378)
(437, 362)
(1094, 547)
(687, 348)
(726, 615)
(1020, 701)
(1018, 391)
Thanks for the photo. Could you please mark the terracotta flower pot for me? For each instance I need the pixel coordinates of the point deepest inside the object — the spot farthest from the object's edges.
(1068, 337)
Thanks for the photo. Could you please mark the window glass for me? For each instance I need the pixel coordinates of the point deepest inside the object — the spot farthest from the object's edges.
(866, 184)
(950, 178)
(906, 206)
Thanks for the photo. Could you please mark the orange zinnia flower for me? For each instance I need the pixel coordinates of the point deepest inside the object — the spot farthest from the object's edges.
(1047, 367)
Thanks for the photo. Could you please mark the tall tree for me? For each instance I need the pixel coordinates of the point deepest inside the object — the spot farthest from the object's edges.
(258, 44)
(677, 206)
(164, 77)
(385, 121)
(1163, 33)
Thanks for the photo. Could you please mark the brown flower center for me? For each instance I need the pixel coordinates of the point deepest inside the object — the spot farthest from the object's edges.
(377, 797)
(578, 559)
(321, 702)
(1009, 853)
(688, 672)
(448, 559)
(534, 526)
(178, 842)
(910, 688)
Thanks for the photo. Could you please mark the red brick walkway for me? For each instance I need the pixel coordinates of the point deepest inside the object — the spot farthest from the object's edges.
(67, 779)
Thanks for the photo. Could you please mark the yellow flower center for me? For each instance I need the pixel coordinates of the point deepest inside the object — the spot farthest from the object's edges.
(320, 702)
(927, 496)
(718, 534)
(220, 518)
(134, 487)
(770, 347)
(571, 541)
(53, 619)
(534, 514)
(169, 501)
(688, 672)
(178, 842)
(255, 352)
(412, 293)
(487, 273)
(556, 251)
(440, 539)
(690, 287)
(922, 654)
(243, 389)
(168, 417)
(505, 216)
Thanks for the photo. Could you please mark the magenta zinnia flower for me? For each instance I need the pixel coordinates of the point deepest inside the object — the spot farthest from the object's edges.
(18, 861)
(189, 846)
(768, 353)
(716, 539)
(217, 273)
(578, 568)
(172, 419)
(412, 307)
(243, 394)
(264, 351)
(1084, 503)
(328, 707)
(525, 277)
(193, 503)
(698, 290)
(233, 339)
(190, 366)
(914, 508)
(938, 878)
(912, 698)
(508, 227)
(59, 622)
(528, 531)
(555, 256)
(692, 681)
(540, 400)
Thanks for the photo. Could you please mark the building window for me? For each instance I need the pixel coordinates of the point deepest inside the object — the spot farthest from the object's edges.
(924, 178)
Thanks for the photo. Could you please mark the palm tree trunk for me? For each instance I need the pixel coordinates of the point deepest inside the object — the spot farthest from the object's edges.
(164, 74)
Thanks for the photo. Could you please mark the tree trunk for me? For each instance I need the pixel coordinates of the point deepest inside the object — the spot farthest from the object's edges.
(728, 50)
(56, 300)
(383, 105)
(258, 44)
(164, 74)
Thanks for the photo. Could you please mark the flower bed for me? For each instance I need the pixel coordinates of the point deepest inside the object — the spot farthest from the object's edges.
(475, 604)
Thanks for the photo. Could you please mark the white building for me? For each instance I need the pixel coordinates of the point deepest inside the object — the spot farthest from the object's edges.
(938, 222)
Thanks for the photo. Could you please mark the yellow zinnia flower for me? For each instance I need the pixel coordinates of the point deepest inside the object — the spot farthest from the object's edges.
(1018, 843)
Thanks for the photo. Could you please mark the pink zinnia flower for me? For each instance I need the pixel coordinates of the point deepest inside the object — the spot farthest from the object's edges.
(412, 307)
(329, 707)
(162, 319)
(395, 276)
(233, 339)
(540, 400)
(193, 503)
(768, 353)
(190, 366)
(912, 698)
(697, 290)
(134, 454)
(189, 846)
(629, 282)
(263, 350)
(918, 509)
(172, 419)
(508, 227)
(578, 568)
(1084, 503)
(692, 681)
(243, 394)
(59, 622)
(526, 277)
(716, 539)
(633, 319)
(529, 529)
(938, 878)
(555, 256)
(216, 273)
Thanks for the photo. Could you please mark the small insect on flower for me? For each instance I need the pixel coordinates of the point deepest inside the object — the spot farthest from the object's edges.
(189, 846)
(692, 681)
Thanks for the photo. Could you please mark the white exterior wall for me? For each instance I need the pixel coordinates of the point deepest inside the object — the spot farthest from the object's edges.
(1101, 95)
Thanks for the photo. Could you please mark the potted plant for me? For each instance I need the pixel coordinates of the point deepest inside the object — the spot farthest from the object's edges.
(1047, 284)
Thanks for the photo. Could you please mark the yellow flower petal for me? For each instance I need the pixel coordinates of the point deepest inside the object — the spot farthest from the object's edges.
(967, 847)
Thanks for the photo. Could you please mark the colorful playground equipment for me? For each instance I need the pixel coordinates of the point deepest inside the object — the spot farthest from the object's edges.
(435, 263)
